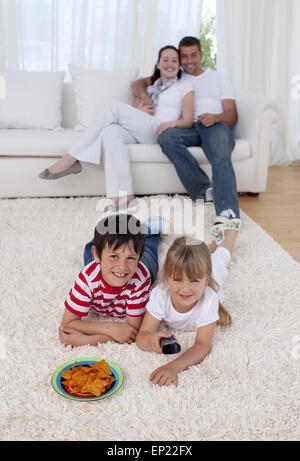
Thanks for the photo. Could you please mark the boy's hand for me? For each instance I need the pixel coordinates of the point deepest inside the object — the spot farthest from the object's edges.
(70, 337)
(165, 375)
(122, 332)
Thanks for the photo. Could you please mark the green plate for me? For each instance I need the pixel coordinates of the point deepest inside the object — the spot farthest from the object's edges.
(56, 379)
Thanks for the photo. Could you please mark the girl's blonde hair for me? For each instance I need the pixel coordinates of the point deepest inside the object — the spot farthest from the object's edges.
(192, 258)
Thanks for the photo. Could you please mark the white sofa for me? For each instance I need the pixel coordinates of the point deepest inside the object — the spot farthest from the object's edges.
(26, 152)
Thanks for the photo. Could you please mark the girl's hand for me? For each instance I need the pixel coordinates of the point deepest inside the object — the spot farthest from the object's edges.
(155, 340)
(164, 126)
(165, 375)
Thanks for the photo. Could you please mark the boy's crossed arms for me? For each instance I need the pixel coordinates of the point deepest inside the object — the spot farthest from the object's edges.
(77, 332)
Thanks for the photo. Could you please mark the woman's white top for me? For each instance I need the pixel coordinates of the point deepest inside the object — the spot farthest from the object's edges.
(206, 309)
(169, 105)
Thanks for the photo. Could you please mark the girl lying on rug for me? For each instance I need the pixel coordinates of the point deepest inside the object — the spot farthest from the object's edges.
(187, 299)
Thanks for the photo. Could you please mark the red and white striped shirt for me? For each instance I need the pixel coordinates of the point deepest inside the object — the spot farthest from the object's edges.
(90, 291)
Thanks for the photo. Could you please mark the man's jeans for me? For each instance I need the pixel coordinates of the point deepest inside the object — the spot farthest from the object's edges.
(217, 142)
(149, 257)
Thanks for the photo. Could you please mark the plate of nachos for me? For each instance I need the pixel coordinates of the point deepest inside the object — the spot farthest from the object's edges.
(87, 379)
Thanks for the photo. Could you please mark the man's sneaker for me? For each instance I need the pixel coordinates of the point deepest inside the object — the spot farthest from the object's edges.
(225, 217)
(209, 195)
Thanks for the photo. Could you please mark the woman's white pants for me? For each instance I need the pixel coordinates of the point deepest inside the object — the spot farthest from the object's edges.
(119, 124)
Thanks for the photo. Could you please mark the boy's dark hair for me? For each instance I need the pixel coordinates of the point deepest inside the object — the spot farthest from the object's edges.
(117, 230)
(190, 41)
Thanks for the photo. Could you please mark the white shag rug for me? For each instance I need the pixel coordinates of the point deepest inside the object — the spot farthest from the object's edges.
(246, 389)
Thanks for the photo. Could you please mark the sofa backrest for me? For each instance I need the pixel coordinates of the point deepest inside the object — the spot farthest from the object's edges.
(250, 108)
(92, 89)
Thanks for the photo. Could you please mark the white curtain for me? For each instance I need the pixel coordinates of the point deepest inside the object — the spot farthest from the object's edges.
(106, 34)
(259, 50)
(2, 55)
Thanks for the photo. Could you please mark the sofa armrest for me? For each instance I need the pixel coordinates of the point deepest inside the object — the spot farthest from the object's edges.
(256, 114)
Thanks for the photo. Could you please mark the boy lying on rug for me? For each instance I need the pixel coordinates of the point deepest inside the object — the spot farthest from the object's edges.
(187, 299)
(121, 262)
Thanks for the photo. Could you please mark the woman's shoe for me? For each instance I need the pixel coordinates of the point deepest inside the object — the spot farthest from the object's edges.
(74, 169)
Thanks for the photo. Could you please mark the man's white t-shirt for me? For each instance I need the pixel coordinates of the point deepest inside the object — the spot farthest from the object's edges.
(206, 309)
(169, 105)
(211, 87)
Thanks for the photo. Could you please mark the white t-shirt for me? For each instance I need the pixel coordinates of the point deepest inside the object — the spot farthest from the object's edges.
(169, 105)
(211, 87)
(206, 309)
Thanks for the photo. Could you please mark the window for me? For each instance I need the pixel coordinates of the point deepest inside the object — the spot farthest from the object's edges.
(208, 34)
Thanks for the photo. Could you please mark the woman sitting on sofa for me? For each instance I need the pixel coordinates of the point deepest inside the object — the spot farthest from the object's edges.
(120, 124)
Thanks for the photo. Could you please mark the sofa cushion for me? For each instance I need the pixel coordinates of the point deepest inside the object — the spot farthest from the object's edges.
(153, 153)
(32, 100)
(41, 143)
(36, 143)
(93, 87)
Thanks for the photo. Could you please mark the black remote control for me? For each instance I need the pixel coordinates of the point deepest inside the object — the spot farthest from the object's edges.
(170, 345)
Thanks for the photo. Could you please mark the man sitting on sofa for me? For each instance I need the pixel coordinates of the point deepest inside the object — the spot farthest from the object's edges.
(215, 112)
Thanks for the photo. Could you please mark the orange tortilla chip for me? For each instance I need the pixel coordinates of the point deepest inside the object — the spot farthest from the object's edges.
(66, 374)
(92, 379)
(93, 388)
